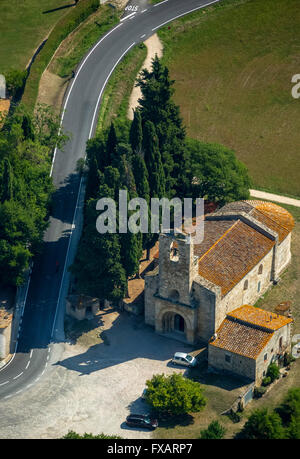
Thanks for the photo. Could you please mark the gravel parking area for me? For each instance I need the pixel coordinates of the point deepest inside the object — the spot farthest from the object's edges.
(92, 387)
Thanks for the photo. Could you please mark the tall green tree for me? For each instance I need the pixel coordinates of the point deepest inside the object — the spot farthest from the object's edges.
(216, 173)
(158, 107)
(136, 132)
(7, 182)
(153, 161)
(263, 425)
(111, 144)
(97, 265)
(215, 431)
(174, 395)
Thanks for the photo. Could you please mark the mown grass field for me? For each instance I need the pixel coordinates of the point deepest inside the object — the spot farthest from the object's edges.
(23, 26)
(233, 64)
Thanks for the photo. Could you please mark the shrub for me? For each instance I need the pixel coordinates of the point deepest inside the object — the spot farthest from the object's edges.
(288, 359)
(273, 372)
(259, 391)
(214, 431)
(263, 425)
(266, 381)
(15, 81)
(71, 435)
(174, 395)
(290, 406)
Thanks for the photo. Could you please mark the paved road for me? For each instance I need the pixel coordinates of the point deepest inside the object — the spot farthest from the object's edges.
(44, 309)
(275, 198)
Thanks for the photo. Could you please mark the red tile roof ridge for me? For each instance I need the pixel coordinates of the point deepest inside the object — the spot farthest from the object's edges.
(218, 240)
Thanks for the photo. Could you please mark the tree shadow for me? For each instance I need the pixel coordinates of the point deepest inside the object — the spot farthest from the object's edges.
(60, 8)
(64, 199)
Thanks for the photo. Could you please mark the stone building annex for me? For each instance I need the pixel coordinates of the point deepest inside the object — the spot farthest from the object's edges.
(245, 248)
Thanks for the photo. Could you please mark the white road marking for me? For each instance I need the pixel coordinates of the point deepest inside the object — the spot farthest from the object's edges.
(31, 353)
(142, 36)
(75, 78)
(160, 3)
(18, 375)
(144, 11)
(2, 384)
(27, 365)
(128, 16)
(186, 12)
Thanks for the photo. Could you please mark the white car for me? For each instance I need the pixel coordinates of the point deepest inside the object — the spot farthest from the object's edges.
(180, 358)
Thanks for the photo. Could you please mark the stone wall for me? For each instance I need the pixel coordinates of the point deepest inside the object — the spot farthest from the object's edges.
(283, 255)
(5, 340)
(151, 286)
(238, 364)
(271, 350)
(206, 299)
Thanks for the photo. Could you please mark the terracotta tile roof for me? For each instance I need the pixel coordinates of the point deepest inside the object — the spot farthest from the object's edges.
(271, 215)
(233, 255)
(247, 330)
(241, 339)
(274, 217)
(213, 230)
(260, 317)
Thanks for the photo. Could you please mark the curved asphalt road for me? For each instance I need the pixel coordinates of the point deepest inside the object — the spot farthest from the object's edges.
(42, 322)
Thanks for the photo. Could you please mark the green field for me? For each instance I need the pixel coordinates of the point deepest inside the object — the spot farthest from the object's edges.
(233, 65)
(23, 26)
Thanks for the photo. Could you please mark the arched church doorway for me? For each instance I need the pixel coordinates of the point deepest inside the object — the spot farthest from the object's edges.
(173, 323)
(179, 323)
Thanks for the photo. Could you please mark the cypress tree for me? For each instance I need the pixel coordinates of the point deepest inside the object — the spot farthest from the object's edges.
(136, 132)
(27, 127)
(111, 144)
(141, 177)
(158, 107)
(153, 161)
(7, 182)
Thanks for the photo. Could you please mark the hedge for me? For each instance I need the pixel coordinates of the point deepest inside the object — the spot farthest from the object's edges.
(64, 26)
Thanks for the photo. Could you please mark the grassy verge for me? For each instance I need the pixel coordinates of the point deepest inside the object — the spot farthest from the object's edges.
(77, 44)
(116, 95)
(233, 63)
(61, 30)
(24, 25)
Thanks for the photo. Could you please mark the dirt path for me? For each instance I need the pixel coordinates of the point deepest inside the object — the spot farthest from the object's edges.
(154, 46)
(275, 197)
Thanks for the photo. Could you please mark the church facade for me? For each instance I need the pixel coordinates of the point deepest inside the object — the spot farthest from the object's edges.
(246, 246)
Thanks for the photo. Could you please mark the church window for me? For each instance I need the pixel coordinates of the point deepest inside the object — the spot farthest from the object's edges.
(245, 284)
(258, 287)
(260, 269)
(174, 295)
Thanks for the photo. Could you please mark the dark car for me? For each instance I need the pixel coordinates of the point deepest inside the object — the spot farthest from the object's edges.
(141, 420)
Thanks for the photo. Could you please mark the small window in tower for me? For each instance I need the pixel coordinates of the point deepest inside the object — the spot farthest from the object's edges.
(174, 253)
(258, 287)
(245, 284)
(260, 269)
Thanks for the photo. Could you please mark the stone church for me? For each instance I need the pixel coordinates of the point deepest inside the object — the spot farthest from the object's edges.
(246, 246)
